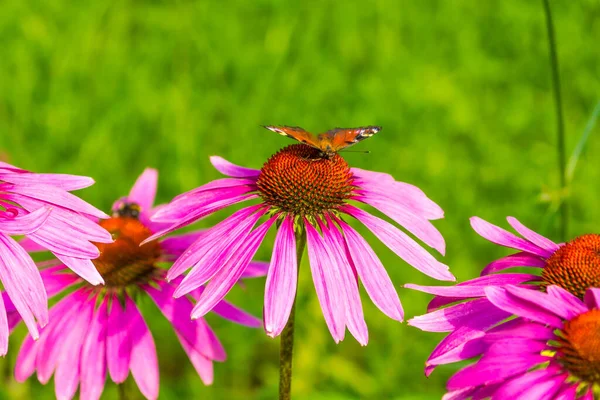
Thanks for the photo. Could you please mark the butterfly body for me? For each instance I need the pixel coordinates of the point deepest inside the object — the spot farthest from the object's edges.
(330, 142)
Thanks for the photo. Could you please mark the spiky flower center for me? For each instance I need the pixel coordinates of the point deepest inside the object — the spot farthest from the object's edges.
(300, 181)
(580, 346)
(124, 262)
(575, 266)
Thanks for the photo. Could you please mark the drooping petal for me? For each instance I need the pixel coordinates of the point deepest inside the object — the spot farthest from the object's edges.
(82, 267)
(415, 224)
(574, 304)
(176, 245)
(514, 260)
(461, 344)
(66, 377)
(509, 302)
(202, 365)
(56, 279)
(22, 282)
(144, 362)
(380, 185)
(235, 171)
(326, 284)
(196, 333)
(143, 191)
(93, 355)
(118, 341)
(51, 343)
(256, 269)
(514, 388)
(558, 301)
(26, 359)
(497, 235)
(25, 224)
(373, 275)
(335, 246)
(401, 244)
(232, 313)
(223, 281)
(532, 236)
(3, 329)
(476, 314)
(207, 252)
(282, 278)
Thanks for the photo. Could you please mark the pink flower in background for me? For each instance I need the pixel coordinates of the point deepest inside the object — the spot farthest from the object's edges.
(465, 312)
(303, 193)
(550, 351)
(40, 207)
(98, 331)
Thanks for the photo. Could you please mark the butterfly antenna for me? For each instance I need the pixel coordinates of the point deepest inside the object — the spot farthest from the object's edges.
(357, 151)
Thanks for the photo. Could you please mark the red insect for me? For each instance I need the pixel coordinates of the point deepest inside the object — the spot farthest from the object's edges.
(329, 142)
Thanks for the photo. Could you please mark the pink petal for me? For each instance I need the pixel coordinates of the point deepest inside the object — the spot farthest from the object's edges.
(202, 365)
(235, 171)
(477, 314)
(532, 236)
(52, 341)
(118, 341)
(22, 282)
(25, 364)
(176, 245)
(514, 260)
(502, 237)
(461, 344)
(415, 224)
(405, 247)
(144, 362)
(213, 242)
(28, 223)
(66, 377)
(224, 280)
(216, 184)
(3, 329)
(326, 283)
(592, 298)
(507, 301)
(355, 319)
(232, 313)
(557, 301)
(60, 181)
(59, 239)
(256, 269)
(57, 279)
(384, 185)
(93, 355)
(475, 287)
(143, 191)
(373, 275)
(52, 195)
(196, 334)
(201, 212)
(82, 267)
(280, 288)
(515, 387)
(567, 299)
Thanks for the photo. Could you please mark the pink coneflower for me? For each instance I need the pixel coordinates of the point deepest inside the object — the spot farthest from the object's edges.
(40, 207)
(307, 197)
(550, 351)
(98, 329)
(572, 266)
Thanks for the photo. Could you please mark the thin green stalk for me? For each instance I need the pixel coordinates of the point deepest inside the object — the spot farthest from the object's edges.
(562, 158)
(286, 348)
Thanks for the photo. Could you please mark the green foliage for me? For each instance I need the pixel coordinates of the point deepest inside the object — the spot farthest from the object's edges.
(462, 90)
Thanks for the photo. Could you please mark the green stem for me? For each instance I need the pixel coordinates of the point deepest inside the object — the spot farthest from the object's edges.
(562, 158)
(122, 391)
(286, 349)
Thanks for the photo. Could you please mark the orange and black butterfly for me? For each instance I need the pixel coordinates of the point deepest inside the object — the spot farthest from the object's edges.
(329, 142)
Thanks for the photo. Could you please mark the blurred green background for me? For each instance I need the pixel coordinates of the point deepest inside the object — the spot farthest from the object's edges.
(462, 90)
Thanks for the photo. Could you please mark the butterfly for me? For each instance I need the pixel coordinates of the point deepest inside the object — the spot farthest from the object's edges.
(329, 142)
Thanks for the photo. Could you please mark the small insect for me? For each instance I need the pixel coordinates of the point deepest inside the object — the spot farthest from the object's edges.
(329, 142)
(131, 210)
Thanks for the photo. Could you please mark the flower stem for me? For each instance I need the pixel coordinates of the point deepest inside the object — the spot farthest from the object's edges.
(286, 348)
(562, 158)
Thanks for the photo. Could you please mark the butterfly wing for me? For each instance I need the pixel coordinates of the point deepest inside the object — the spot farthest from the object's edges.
(337, 139)
(296, 133)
